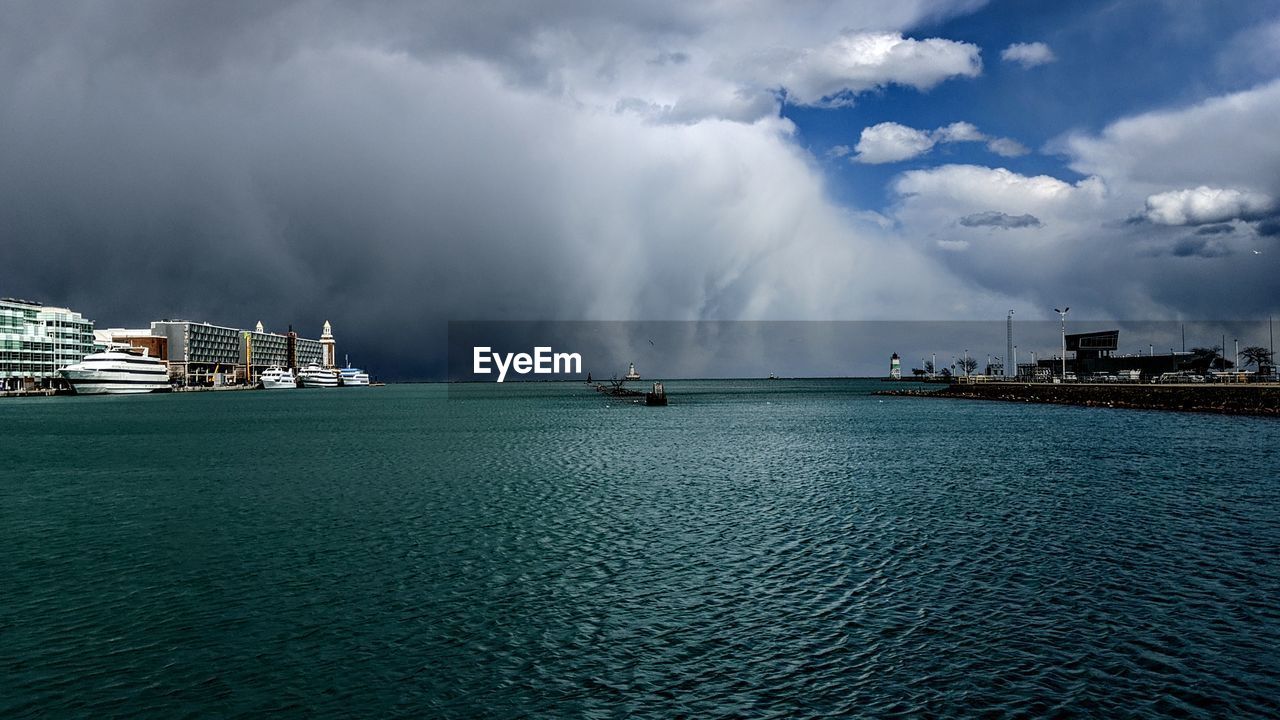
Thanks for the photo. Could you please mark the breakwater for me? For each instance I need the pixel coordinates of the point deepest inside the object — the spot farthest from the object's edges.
(1224, 399)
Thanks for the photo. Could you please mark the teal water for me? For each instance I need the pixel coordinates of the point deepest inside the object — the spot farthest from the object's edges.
(757, 549)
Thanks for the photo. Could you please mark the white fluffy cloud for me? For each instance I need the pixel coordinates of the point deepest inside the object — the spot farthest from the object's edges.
(1028, 54)
(1006, 147)
(959, 132)
(1228, 141)
(1051, 240)
(892, 142)
(855, 62)
(949, 192)
(1201, 205)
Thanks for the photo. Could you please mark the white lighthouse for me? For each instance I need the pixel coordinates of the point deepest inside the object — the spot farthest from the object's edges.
(328, 346)
(895, 367)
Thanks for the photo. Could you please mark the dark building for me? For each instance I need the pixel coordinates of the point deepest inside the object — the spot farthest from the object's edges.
(1094, 356)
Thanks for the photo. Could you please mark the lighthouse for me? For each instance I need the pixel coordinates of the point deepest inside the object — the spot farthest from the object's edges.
(895, 367)
(328, 346)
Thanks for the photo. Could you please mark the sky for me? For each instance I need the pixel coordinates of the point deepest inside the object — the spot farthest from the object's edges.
(392, 166)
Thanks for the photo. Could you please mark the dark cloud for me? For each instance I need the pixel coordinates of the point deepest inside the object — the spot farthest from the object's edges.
(1000, 220)
(1220, 229)
(670, 58)
(1269, 227)
(392, 166)
(1199, 247)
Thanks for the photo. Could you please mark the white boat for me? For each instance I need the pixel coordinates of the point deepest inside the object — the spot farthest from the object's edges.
(275, 378)
(118, 372)
(315, 376)
(353, 377)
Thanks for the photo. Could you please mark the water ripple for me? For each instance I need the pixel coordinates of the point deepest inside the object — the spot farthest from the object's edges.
(754, 550)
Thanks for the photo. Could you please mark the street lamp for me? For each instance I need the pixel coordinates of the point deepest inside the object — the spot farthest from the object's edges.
(1063, 315)
(1008, 345)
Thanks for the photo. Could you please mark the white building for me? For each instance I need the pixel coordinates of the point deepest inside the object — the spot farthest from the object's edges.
(35, 341)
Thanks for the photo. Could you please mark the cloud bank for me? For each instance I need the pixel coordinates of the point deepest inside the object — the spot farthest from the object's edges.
(391, 168)
(1202, 205)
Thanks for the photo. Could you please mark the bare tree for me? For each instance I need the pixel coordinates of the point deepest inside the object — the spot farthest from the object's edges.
(1210, 357)
(1256, 356)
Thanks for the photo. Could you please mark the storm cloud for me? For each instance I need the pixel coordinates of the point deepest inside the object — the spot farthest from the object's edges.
(1000, 220)
(389, 167)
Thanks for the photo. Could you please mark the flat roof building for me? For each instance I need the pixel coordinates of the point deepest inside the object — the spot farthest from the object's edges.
(200, 353)
(1094, 356)
(36, 341)
(260, 350)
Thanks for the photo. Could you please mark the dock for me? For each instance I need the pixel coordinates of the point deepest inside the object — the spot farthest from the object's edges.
(1221, 398)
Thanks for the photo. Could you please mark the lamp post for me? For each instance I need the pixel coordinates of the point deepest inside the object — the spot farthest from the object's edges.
(1063, 315)
(1008, 342)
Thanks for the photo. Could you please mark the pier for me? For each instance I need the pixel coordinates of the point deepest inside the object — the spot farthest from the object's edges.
(1222, 398)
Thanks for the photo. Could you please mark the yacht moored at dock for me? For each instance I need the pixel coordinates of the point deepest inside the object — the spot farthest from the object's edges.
(276, 378)
(124, 371)
(353, 377)
(316, 376)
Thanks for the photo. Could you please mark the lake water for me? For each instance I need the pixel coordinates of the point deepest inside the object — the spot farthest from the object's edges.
(757, 549)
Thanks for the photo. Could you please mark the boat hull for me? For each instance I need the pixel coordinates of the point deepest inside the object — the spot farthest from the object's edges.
(281, 384)
(92, 388)
(114, 382)
(318, 381)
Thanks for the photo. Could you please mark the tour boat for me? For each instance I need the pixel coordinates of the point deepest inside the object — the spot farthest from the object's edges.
(275, 378)
(353, 377)
(118, 372)
(315, 376)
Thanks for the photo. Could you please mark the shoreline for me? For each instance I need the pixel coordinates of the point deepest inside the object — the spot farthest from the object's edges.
(1253, 400)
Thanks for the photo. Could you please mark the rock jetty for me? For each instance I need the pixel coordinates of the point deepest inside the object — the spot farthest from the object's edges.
(1212, 398)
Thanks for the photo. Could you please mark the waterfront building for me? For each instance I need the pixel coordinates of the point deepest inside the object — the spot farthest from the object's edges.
(307, 352)
(157, 346)
(1092, 354)
(200, 353)
(35, 341)
(261, 350)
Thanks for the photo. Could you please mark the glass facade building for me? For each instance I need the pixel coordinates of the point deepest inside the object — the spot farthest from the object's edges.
(36, 341)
